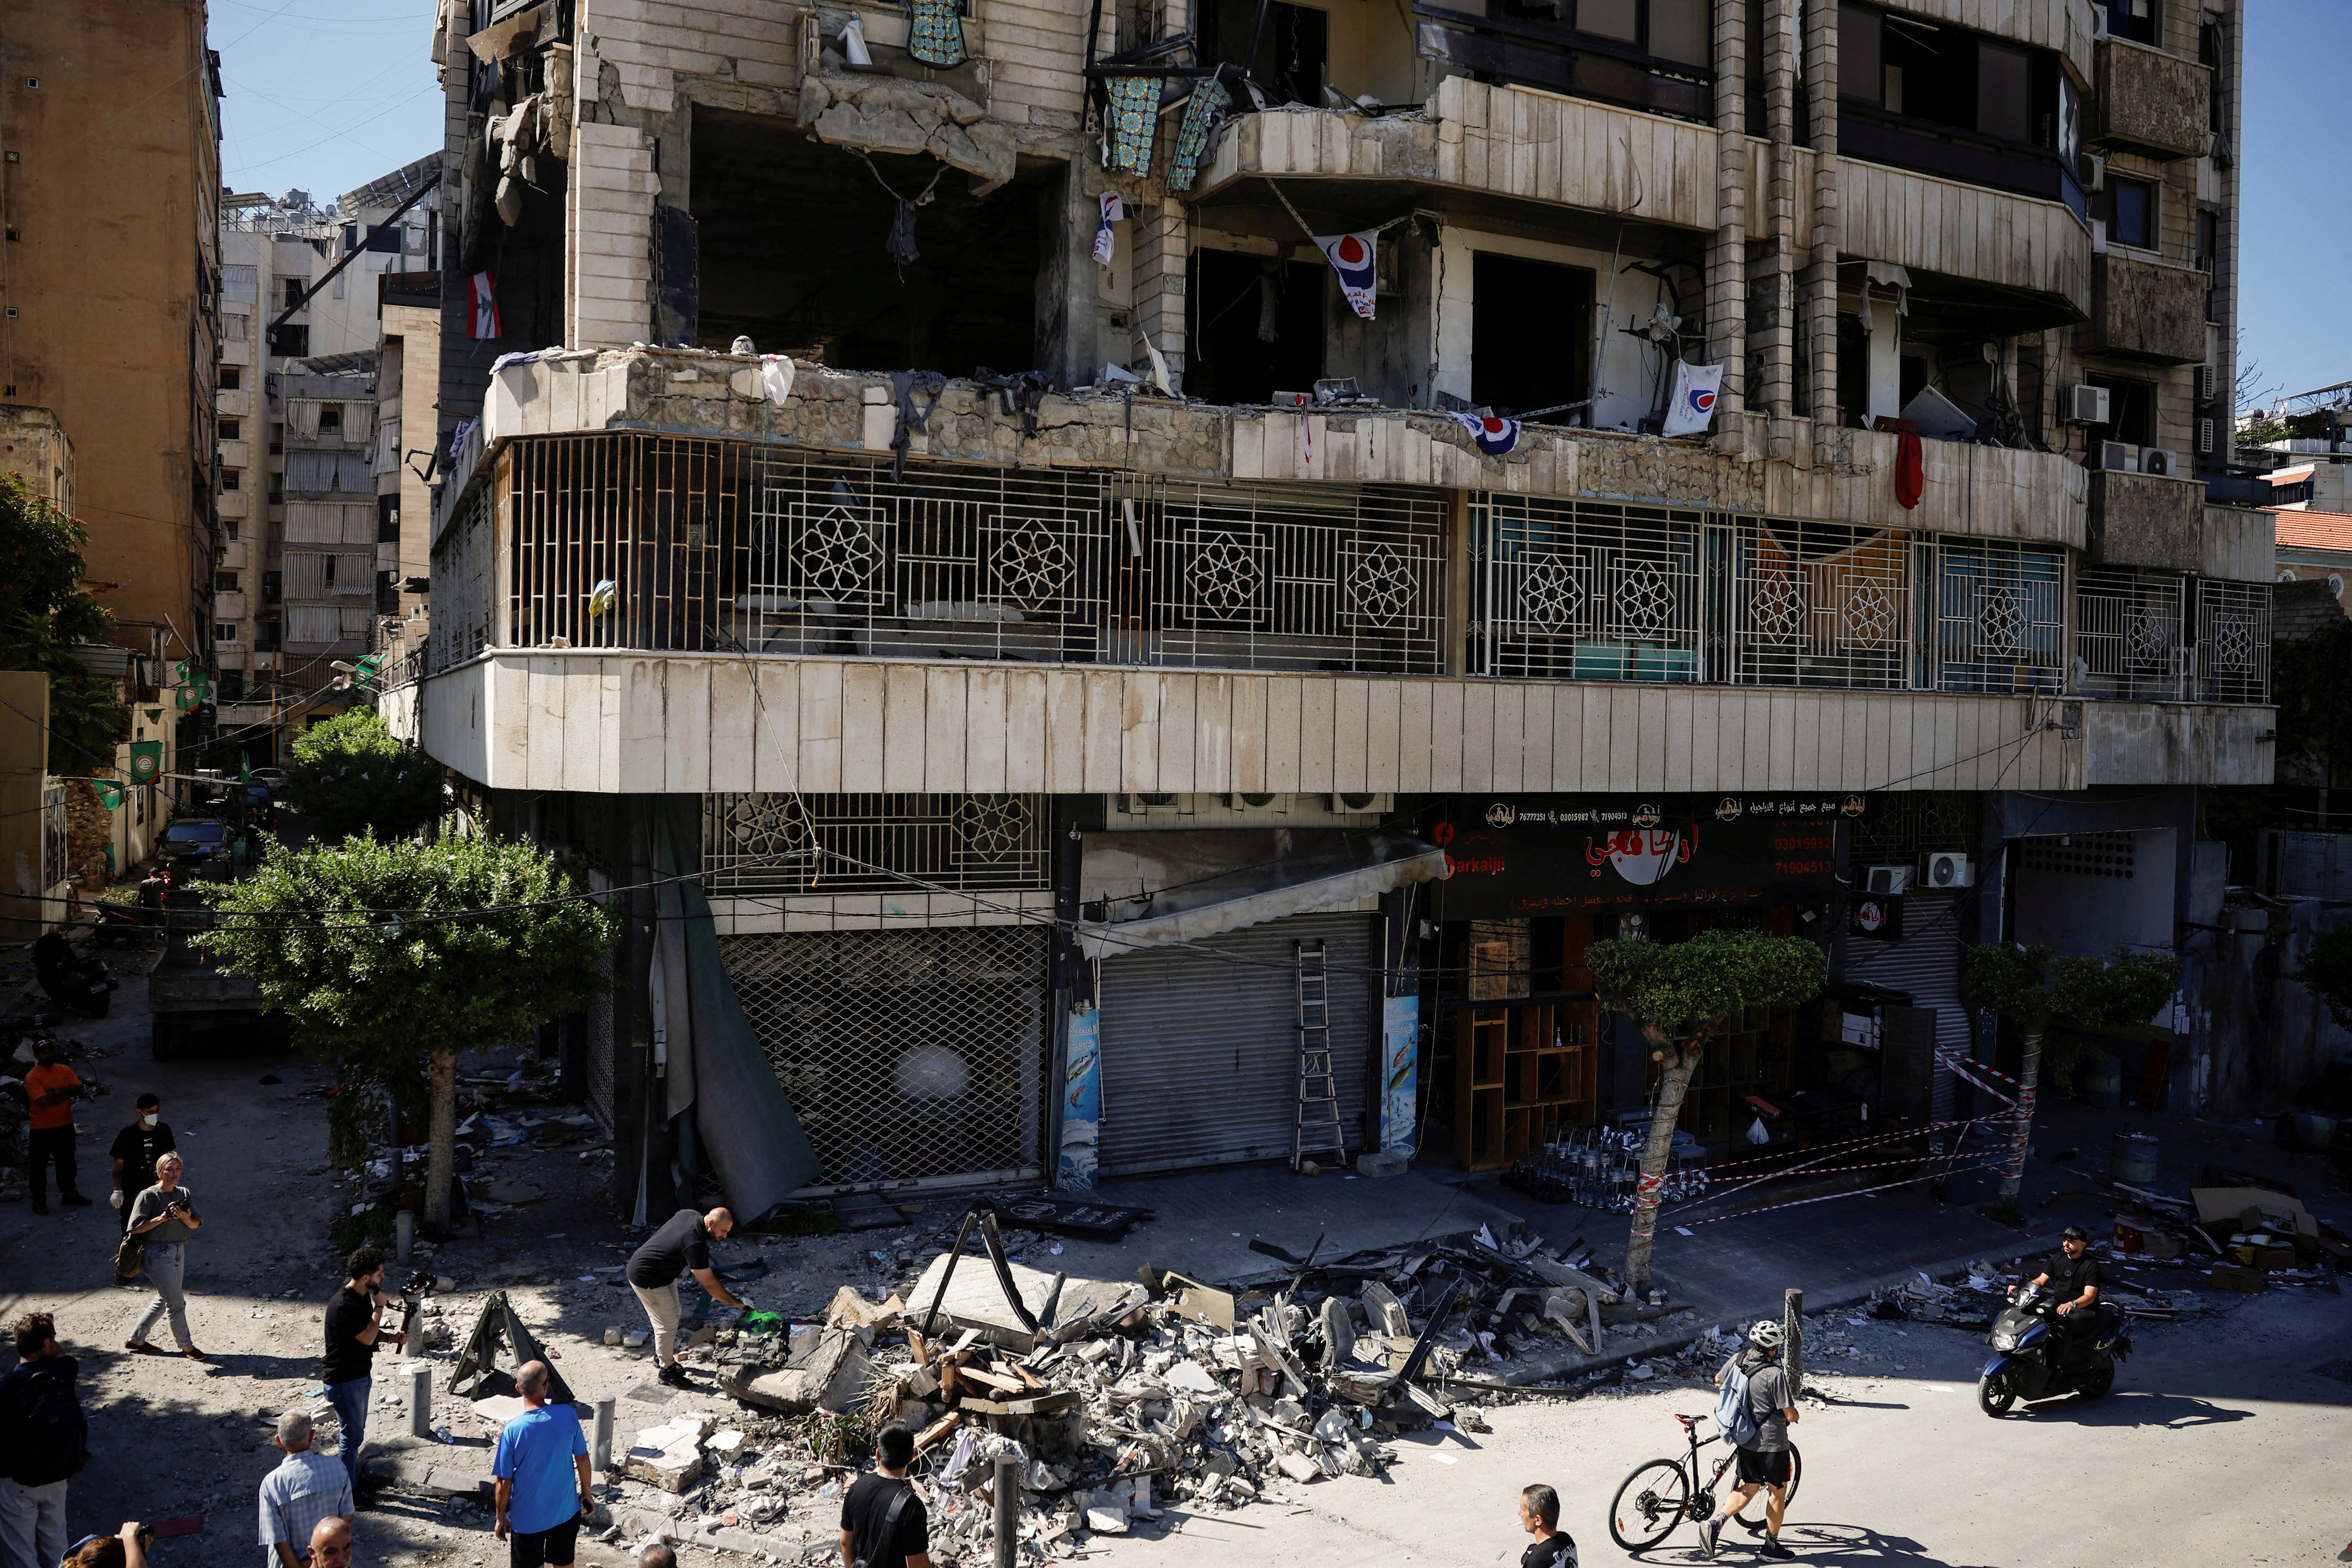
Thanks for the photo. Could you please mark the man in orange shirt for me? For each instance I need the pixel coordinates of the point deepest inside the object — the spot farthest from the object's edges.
(52, 1087)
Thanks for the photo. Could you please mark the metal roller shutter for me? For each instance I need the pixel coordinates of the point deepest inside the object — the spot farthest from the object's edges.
(1200, 1056)
(1926, 963)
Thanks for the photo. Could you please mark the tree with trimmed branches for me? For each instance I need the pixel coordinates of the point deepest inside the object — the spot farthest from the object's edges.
(1680, 995)
(2021, 984)
(352, 777)
(43, 612)
(391, 960)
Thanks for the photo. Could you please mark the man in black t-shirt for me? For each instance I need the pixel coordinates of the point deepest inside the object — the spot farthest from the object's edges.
(2074, 1278)
(136, 1149)
(353, 1332)
(1539, 1517)
(868, 1540)
(682, 1243)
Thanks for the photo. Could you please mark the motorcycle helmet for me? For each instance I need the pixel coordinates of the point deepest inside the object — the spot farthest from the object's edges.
(1767, 1335)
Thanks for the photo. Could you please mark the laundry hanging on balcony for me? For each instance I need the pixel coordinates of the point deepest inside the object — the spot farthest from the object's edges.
(1203, 115)
(1355, 258)
(935, 32)
(1493, 435)
(1692, 410)
(1130, 122)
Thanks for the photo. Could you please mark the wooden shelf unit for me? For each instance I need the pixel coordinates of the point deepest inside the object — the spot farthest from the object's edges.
(1524, 1071)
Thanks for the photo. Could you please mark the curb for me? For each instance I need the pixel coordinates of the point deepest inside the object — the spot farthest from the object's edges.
(1846, 1296)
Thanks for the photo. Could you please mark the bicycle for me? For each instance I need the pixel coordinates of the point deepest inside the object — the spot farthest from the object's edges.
(1661, 1493)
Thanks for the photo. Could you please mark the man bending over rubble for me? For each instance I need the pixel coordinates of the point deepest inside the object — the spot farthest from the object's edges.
(883, 1524)
(682, 1243)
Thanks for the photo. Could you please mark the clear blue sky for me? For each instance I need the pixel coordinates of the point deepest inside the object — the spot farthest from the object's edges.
(326, 95)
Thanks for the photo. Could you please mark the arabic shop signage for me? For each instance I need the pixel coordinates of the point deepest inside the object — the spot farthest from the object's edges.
(1512, 858)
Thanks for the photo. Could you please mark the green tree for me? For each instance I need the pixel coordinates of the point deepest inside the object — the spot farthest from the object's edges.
(2018, 983)
(2326, 973)
(1679, 994)
(353, 778)
(43, 611)
(391, 960)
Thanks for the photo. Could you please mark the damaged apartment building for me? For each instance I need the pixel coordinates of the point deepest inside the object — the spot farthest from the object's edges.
(1167, 569)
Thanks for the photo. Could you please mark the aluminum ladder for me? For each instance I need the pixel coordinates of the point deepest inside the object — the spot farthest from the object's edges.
(1315, 1127)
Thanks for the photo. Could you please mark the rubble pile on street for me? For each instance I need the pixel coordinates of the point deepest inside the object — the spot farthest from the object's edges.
(1115, 1401)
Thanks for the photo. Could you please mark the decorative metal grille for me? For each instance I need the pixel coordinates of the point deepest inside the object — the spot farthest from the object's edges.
(1910, 823)
(1821, 605)
(2233, 641)
(906, 1054)
(1586, 590)
(2127, 634)
(1276, 577)
(2000, 617)
(2082, 855)
(963, 843)
(462, 573)
(719, 545)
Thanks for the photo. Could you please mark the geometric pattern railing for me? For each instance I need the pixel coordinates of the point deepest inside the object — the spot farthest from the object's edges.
(2000, 617)
(962, 843)
(1587, 590)
(2233, 641)
(2129, 635)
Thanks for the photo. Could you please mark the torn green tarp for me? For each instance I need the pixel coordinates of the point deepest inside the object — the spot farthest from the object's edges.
(744, 1124)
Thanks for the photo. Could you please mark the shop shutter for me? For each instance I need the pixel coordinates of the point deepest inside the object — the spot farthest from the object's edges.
(1201, 1054)
(1926, 963)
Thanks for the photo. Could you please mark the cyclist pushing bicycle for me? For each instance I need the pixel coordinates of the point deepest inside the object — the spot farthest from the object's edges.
(1764, 1452)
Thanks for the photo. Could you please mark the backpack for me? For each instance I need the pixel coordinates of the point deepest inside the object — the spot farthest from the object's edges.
(1733, 1417)
(52, 1436)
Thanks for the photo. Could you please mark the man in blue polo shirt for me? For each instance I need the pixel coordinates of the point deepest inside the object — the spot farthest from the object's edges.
(542, 1465)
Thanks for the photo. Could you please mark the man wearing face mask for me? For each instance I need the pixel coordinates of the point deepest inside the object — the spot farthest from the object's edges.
(136, 1149)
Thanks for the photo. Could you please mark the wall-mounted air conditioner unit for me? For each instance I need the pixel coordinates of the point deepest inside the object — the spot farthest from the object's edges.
(2099, 24)
(1947, 869)
(2204, 437)
(1362, 805)
(2209, 382)
(2156, 460)
(2098, 237)
(2094, 172)
(2118, 457)
(2085, 405)
(1887, 881)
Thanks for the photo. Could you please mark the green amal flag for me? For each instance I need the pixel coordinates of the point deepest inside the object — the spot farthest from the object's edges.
(244, 767)
(109, 793)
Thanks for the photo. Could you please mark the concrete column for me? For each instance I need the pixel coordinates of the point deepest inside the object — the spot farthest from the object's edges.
(1819, 299)
(1776, 276)
(1162, 244)
(1727, 251)
(420, 1398)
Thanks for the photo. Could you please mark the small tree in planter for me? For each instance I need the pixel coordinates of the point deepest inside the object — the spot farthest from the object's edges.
(2017, 983)
(393, 960)
(1679, 994)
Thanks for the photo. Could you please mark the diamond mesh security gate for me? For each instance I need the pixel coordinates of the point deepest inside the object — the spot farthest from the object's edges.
(909, 1055)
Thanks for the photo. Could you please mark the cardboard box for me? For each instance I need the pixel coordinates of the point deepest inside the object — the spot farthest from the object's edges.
(2230, 1277)
(2227, 1206)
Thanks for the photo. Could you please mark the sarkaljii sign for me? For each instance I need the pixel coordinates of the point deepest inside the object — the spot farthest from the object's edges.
(1561, 855)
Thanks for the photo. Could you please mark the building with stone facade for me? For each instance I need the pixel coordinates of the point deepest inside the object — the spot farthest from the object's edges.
(1113, 542)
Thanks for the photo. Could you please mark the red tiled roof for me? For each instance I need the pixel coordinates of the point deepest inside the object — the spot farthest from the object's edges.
(2315, 529)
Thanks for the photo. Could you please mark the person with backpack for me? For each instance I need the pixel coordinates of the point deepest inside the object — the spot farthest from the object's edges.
(883, 1524)
(44, 1443)
(1753, 1414)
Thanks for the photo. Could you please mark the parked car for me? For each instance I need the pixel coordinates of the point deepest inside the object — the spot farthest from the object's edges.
(200, 847)
(274, 778)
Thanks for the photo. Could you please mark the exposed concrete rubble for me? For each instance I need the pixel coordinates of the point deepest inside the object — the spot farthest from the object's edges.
(891, 114)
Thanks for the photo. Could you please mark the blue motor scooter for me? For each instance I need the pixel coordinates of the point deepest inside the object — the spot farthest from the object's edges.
(2024, 1366)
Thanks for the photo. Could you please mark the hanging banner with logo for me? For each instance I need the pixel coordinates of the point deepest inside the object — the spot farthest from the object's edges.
(1355, 258)
(1113, 210)
(1692, 408)
(1492, 435)
(146, 761)
(1876, 917)
(1564, 854)
(109, 793)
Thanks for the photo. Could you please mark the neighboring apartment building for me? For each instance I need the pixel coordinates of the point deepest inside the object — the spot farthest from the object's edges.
(108, 290)
(1056, 750)
(310, 484)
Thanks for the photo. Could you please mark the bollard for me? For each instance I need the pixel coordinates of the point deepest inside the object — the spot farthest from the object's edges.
(420, 1398)
(1792, 1320)
(603, 1458)
(1008, 1510)
(403, 1233)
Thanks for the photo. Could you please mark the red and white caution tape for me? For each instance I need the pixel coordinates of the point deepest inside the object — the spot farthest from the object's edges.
(1833, 1150)
(1965, 1069)
(1825, 1197)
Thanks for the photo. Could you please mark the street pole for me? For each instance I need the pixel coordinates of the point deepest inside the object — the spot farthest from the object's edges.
(1008, 1509)
(1792, 1322)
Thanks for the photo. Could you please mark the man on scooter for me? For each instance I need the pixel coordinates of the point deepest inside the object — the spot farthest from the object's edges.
(2074, 1278)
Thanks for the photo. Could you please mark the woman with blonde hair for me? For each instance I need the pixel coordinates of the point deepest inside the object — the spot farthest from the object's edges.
(165, 1217)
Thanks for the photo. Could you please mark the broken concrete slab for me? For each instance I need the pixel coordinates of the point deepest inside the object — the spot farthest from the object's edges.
(976, 1300)
(1382, 1163)
(431, 1468)
(830, 1371)
(668, 1456)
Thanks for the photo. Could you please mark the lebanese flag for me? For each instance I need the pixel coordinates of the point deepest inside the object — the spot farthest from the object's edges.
(1493, 435)
(482, 295)
(1355, 258)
